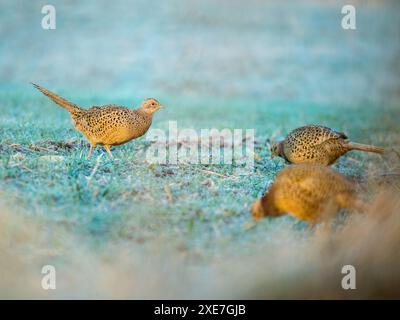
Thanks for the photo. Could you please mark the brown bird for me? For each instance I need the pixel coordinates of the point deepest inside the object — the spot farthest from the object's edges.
(317, 144)
(308, 192)
(108, 125)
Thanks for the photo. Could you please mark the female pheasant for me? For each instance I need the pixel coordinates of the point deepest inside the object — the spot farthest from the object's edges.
(317, 144)
(308, 192)
(108, 125)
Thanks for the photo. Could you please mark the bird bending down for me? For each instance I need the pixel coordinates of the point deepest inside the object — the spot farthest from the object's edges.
(308, 192)
(317, 144)
(108, 125)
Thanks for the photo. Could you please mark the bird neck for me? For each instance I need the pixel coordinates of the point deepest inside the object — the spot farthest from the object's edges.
(268, 204)
(144, 112)
(281, 151)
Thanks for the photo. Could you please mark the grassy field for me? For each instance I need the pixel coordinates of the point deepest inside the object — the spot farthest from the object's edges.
(127, 228)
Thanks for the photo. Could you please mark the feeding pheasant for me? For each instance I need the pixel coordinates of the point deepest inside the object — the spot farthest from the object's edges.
(317, 144)
(308, 192)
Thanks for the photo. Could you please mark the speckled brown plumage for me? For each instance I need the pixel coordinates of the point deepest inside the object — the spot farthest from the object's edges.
(317, 144)
(108, 125)
(309, 192)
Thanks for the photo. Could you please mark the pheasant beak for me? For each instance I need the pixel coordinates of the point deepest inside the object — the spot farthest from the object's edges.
(161, 107)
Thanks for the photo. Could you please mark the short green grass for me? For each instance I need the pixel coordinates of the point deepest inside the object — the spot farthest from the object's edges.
(126, 200)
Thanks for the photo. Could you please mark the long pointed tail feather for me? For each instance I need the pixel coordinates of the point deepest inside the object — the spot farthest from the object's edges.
(365, 147)
(71, 107)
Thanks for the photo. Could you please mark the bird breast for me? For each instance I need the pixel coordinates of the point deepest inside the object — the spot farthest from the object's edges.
(133, 126)
(113, 126)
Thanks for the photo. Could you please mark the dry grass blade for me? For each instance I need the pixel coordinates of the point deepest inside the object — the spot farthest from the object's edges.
(98, 161)
(214, 173)
(169, 193)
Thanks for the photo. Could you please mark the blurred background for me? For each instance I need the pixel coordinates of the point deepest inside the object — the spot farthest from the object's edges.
(291, 50)
(129, 229)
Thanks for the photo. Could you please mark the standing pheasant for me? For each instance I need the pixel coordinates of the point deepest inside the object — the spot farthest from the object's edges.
(108, 125)
(317, 144)
(308, 192)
